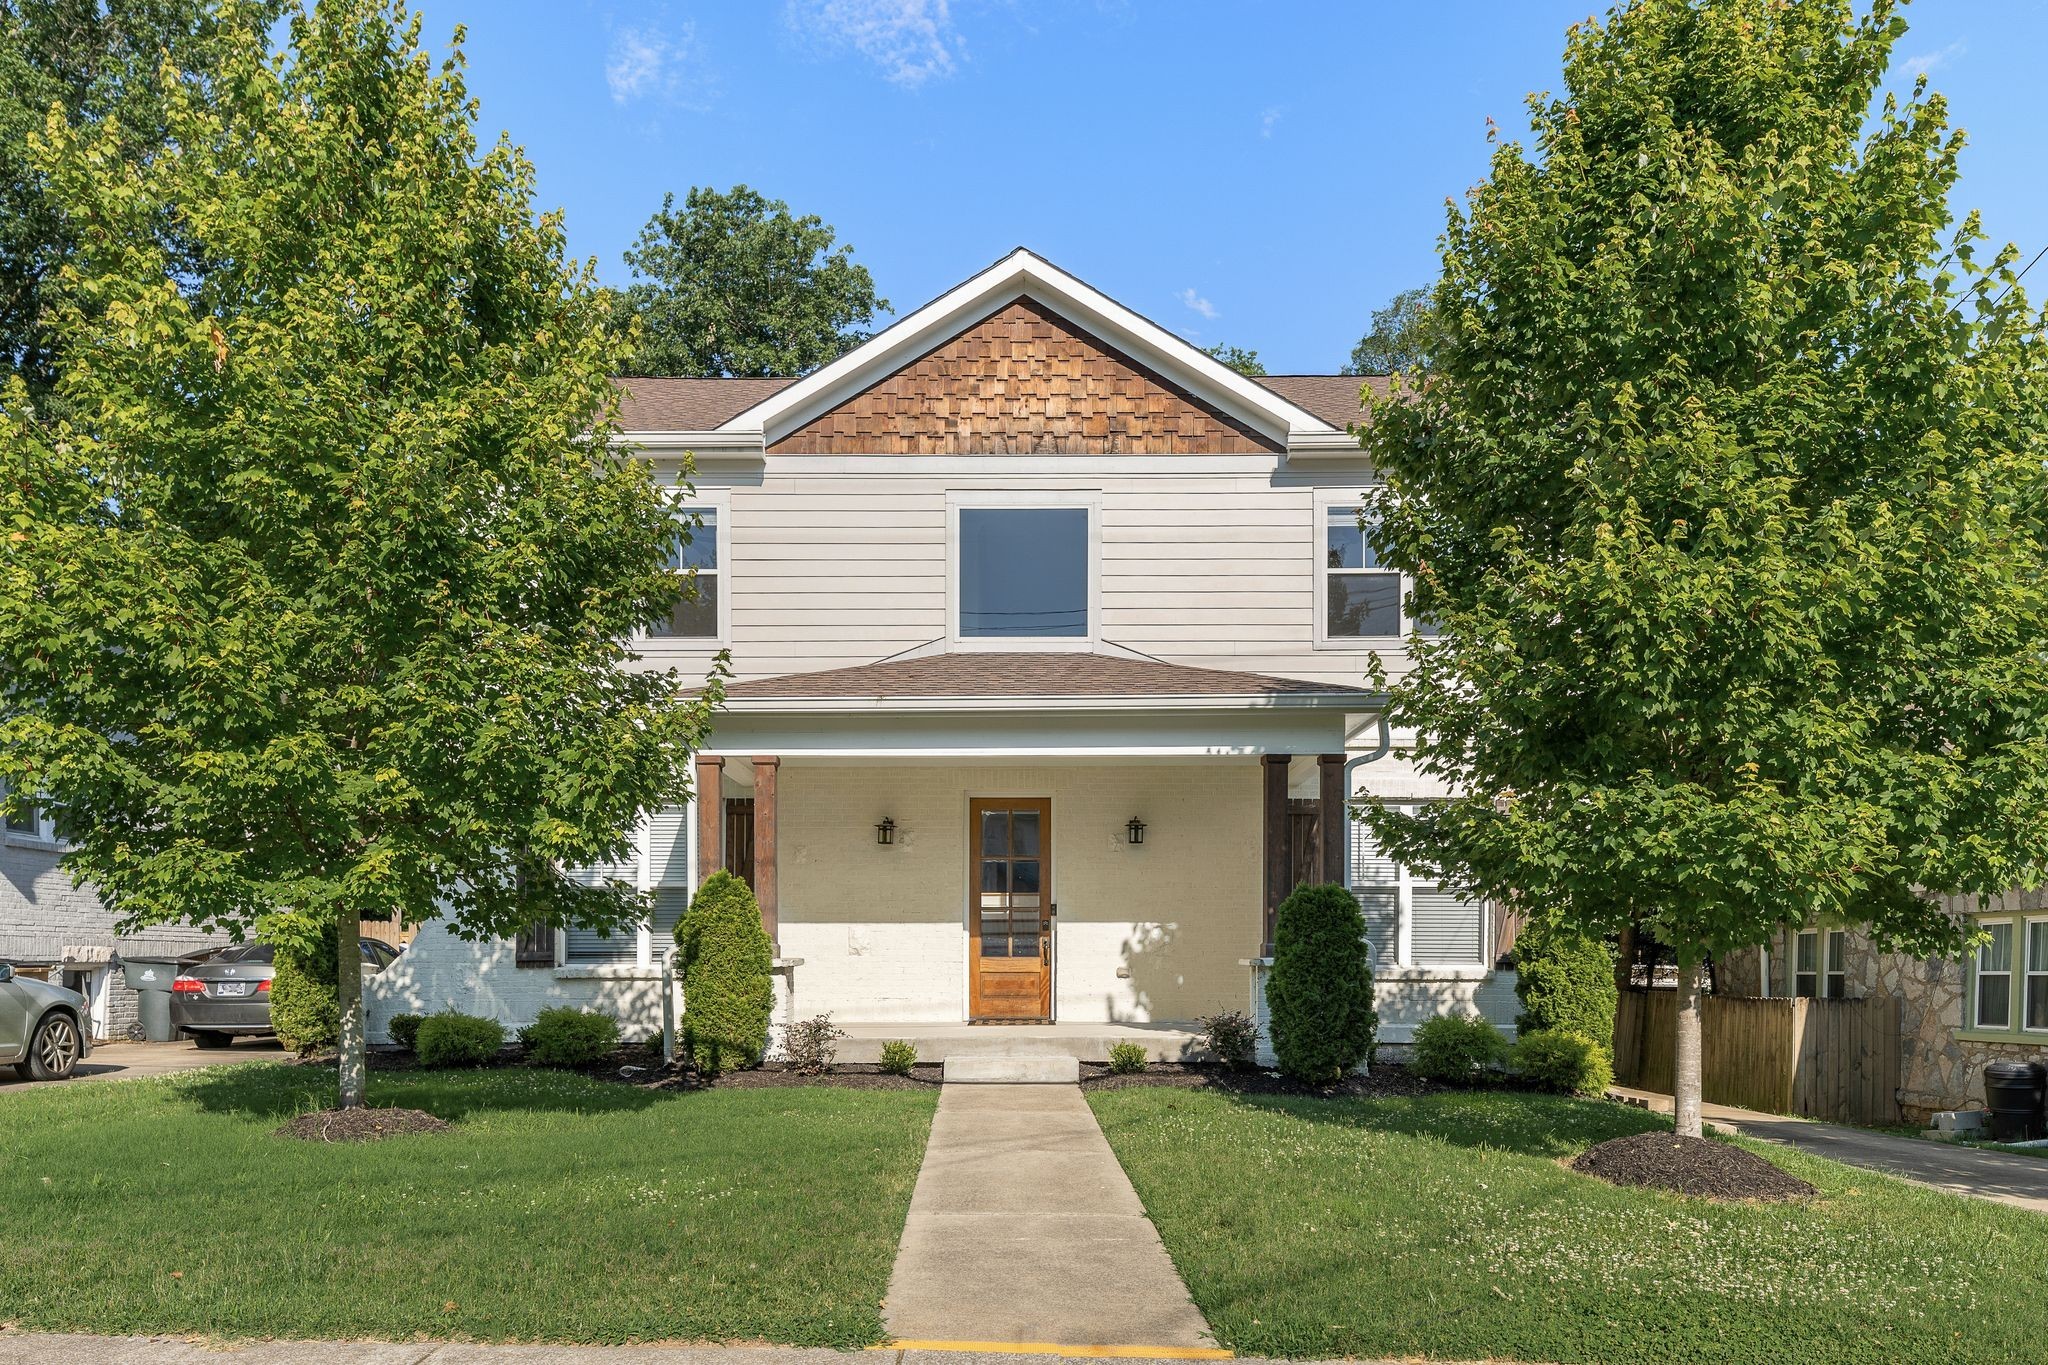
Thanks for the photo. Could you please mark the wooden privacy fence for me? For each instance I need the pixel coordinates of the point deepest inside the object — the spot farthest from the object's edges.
(1822, 1059)
(389, 931)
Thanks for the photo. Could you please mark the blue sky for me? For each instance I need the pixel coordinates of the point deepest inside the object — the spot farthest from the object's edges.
(1258, 174)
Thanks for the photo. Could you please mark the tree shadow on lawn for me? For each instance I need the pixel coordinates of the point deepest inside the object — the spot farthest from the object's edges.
(1519, 1121)
(285, 1091)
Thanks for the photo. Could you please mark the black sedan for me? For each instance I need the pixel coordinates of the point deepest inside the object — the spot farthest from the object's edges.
(227, 995)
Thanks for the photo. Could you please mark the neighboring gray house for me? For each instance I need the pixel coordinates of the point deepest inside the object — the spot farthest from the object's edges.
(48, 923)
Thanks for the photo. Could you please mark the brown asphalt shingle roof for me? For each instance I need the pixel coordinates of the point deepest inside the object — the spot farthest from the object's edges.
(689, 404)
(1004, 674)
(1332, 397)
(703, 404)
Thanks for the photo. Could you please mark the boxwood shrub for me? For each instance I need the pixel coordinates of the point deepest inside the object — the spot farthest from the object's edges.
(1319, 994)
(898, 1056)
(1566, 1062)
(563, 1036)
(1456, 1048)
(453, 1039)
(405, 1030)
(728, 996)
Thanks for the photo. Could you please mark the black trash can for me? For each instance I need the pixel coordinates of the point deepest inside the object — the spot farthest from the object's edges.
(2013, 1094)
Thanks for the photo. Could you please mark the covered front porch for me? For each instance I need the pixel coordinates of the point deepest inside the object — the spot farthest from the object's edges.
(1032, 868)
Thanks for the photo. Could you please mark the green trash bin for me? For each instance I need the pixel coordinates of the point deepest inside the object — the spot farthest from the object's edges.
(150, 978)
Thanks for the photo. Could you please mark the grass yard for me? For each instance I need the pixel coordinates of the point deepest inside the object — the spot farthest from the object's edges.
(560, 1209)
(1448, 1227)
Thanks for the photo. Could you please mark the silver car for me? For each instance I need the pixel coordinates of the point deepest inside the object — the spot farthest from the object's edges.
(42, 1027)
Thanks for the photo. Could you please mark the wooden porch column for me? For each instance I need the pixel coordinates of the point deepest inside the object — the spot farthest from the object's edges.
(710, 816)
(1333, 818)
(764, 847)
(1278, 871)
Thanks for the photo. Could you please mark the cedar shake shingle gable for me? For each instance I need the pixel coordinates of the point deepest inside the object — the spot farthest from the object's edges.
(1022, 381)
(998, 675)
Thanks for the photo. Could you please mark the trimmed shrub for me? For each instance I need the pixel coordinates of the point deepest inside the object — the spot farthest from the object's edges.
(1569, 1063)
(811, 1045)
(1231, 1038)
(569, 1037)
(1127, 1057)
(1565, 981)
(458, 1040)
(305, 1007)
(1319, 993)
(1456, 1048)
(728, 993)
(898, 1056)
(405, 1029)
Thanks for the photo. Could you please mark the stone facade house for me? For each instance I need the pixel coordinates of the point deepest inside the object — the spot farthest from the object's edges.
(1955, 1016)
(1049, 637)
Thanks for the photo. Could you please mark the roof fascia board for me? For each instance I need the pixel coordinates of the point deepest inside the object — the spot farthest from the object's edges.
(1017, 275)
(706, 446)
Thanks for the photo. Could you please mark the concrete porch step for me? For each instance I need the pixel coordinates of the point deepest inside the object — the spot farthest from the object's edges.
(1012, 1069)
(862, 1042)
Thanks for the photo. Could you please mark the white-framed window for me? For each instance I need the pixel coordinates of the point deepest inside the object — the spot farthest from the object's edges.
(1766, 969)
(2034, 1006)
(29, 822)
(1806, 964)
(1411, 922)
(704, 618)
(1992, 1008)
(1023, 569)
(1359, 601)
(665, 855)
(1835, 980)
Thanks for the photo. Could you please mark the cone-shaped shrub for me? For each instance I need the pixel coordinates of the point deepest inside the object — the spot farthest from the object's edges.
(1319, 995)
(1566, 982)
(728, 996)
(305, 1008)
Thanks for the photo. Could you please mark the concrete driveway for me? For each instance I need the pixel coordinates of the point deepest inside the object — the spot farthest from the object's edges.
(128, 1061)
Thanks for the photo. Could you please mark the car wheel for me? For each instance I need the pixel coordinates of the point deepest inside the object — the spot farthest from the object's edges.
(207, 1039)
(54, 1051)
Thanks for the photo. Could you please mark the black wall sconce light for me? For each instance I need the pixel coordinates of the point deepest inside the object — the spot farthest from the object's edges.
(885, 833)
(1136, 830)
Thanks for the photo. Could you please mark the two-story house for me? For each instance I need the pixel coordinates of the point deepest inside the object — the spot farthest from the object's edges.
(1049, 635)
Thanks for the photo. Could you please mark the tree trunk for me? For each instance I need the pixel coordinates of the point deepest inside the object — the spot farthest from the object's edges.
(1685, 1070)
(348, 981)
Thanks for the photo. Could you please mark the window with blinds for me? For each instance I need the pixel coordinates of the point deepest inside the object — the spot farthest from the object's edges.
(593, 947)
(1410, 923)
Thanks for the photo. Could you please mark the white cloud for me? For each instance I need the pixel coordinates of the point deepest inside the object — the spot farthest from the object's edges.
(1268, 118)
(910, 40)
(646, 62)
(1198, 303)
(1928, 61)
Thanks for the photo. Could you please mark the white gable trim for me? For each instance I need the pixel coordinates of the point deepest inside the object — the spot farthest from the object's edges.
(1018, 275)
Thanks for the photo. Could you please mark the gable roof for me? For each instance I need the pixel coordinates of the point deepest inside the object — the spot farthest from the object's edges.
(1018, 275)
(1001, 675)
(672, 404)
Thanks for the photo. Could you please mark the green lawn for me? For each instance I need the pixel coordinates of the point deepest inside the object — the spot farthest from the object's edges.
(1448, 1227)
(560, 1209)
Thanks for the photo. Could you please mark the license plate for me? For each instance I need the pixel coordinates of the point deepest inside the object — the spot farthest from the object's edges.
(231, 987)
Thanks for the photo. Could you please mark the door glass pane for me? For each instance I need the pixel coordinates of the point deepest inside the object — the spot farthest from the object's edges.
(995, 880)
(1023, 571)
(1024, 828)
(995, 933)
(995, 833)
(1024, 936)
(1024, 875)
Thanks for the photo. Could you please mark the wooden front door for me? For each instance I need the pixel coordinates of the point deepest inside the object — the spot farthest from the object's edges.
(1010, 909)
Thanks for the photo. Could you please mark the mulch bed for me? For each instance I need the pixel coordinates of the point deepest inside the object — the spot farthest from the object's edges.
(361, 1125)
(1384, 1081)
(1689, 1165)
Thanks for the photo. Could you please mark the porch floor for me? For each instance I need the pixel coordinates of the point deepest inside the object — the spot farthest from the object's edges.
(1087, 1042)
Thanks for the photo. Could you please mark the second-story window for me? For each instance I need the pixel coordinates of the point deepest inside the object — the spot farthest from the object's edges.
(1362, 598)
(696, 617)
(1023, 573)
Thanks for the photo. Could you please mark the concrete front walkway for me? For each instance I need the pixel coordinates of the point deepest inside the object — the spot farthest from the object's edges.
(37, 1348)
(128, 1061)
(2002, 1177)
(1024, 1229)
